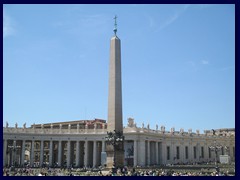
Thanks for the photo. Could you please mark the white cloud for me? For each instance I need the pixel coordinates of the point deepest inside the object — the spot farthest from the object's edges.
(7, 25)
(151, 21)
(204, 62)
(174, 17)
(169, 21)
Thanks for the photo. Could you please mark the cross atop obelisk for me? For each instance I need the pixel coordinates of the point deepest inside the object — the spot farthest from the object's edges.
(115, 25)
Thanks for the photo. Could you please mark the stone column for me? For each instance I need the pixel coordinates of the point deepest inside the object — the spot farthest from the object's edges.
(148, 153)
(172, 153)
(60, 153)
(77, 153)
(41, 153)
(198, 149)
(182, 154)
(206, 153)
(51, 153)
(103, 154)
(135, 153)
(142, 151)
(190, 149)
(32, 153)
(160, 153)
(230, 153)
(183, 158)
(157, 159)
(5, 152)
(86, 153)
(23, 152)
(103, 146)
(94, 153)
(68, 153)
(164, 152)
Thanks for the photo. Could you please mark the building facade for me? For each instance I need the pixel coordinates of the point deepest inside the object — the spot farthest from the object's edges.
(82, 144)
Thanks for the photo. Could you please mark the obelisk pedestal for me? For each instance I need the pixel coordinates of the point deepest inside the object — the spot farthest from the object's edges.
(115, 155)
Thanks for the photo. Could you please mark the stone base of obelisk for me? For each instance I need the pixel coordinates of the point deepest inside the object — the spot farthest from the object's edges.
(115, 157)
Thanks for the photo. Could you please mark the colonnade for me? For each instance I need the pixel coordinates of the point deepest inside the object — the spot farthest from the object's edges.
(53, 153)
(68, 152)
(152, 152)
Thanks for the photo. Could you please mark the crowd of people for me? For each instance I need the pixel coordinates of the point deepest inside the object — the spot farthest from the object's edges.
(27, 171)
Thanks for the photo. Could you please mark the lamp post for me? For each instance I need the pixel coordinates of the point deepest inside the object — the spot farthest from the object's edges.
(129, 153)
(115, 138)
(13, 148)
(174, 161)
(215, 148)
(226, 150)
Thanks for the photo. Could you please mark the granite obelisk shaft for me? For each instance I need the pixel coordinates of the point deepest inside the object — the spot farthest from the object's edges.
(115, 155)
(115, 87)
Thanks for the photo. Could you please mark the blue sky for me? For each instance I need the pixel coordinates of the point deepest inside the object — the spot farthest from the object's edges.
(178, 64)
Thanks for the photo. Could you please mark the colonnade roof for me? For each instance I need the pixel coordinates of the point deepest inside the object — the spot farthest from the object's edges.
(83, 122)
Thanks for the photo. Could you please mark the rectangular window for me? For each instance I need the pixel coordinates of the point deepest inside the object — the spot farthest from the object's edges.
(202, 152)
(186, 152)
(195, 152)
(168, 152)
(178, 153)
(209, 152)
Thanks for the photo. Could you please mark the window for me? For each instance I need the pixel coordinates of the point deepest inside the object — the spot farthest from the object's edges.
(202, 152)
(186, 152)
(195, 152)
(168, 153)
(209, 152)
(178, 152)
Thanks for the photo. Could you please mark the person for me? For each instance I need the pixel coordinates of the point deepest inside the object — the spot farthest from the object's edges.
(113, 168)
(217, 169)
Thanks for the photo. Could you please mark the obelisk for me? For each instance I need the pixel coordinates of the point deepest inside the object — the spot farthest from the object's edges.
(115, 156)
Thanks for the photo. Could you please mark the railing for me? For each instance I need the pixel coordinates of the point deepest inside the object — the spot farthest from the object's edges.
(54, 131)
(102, 131)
